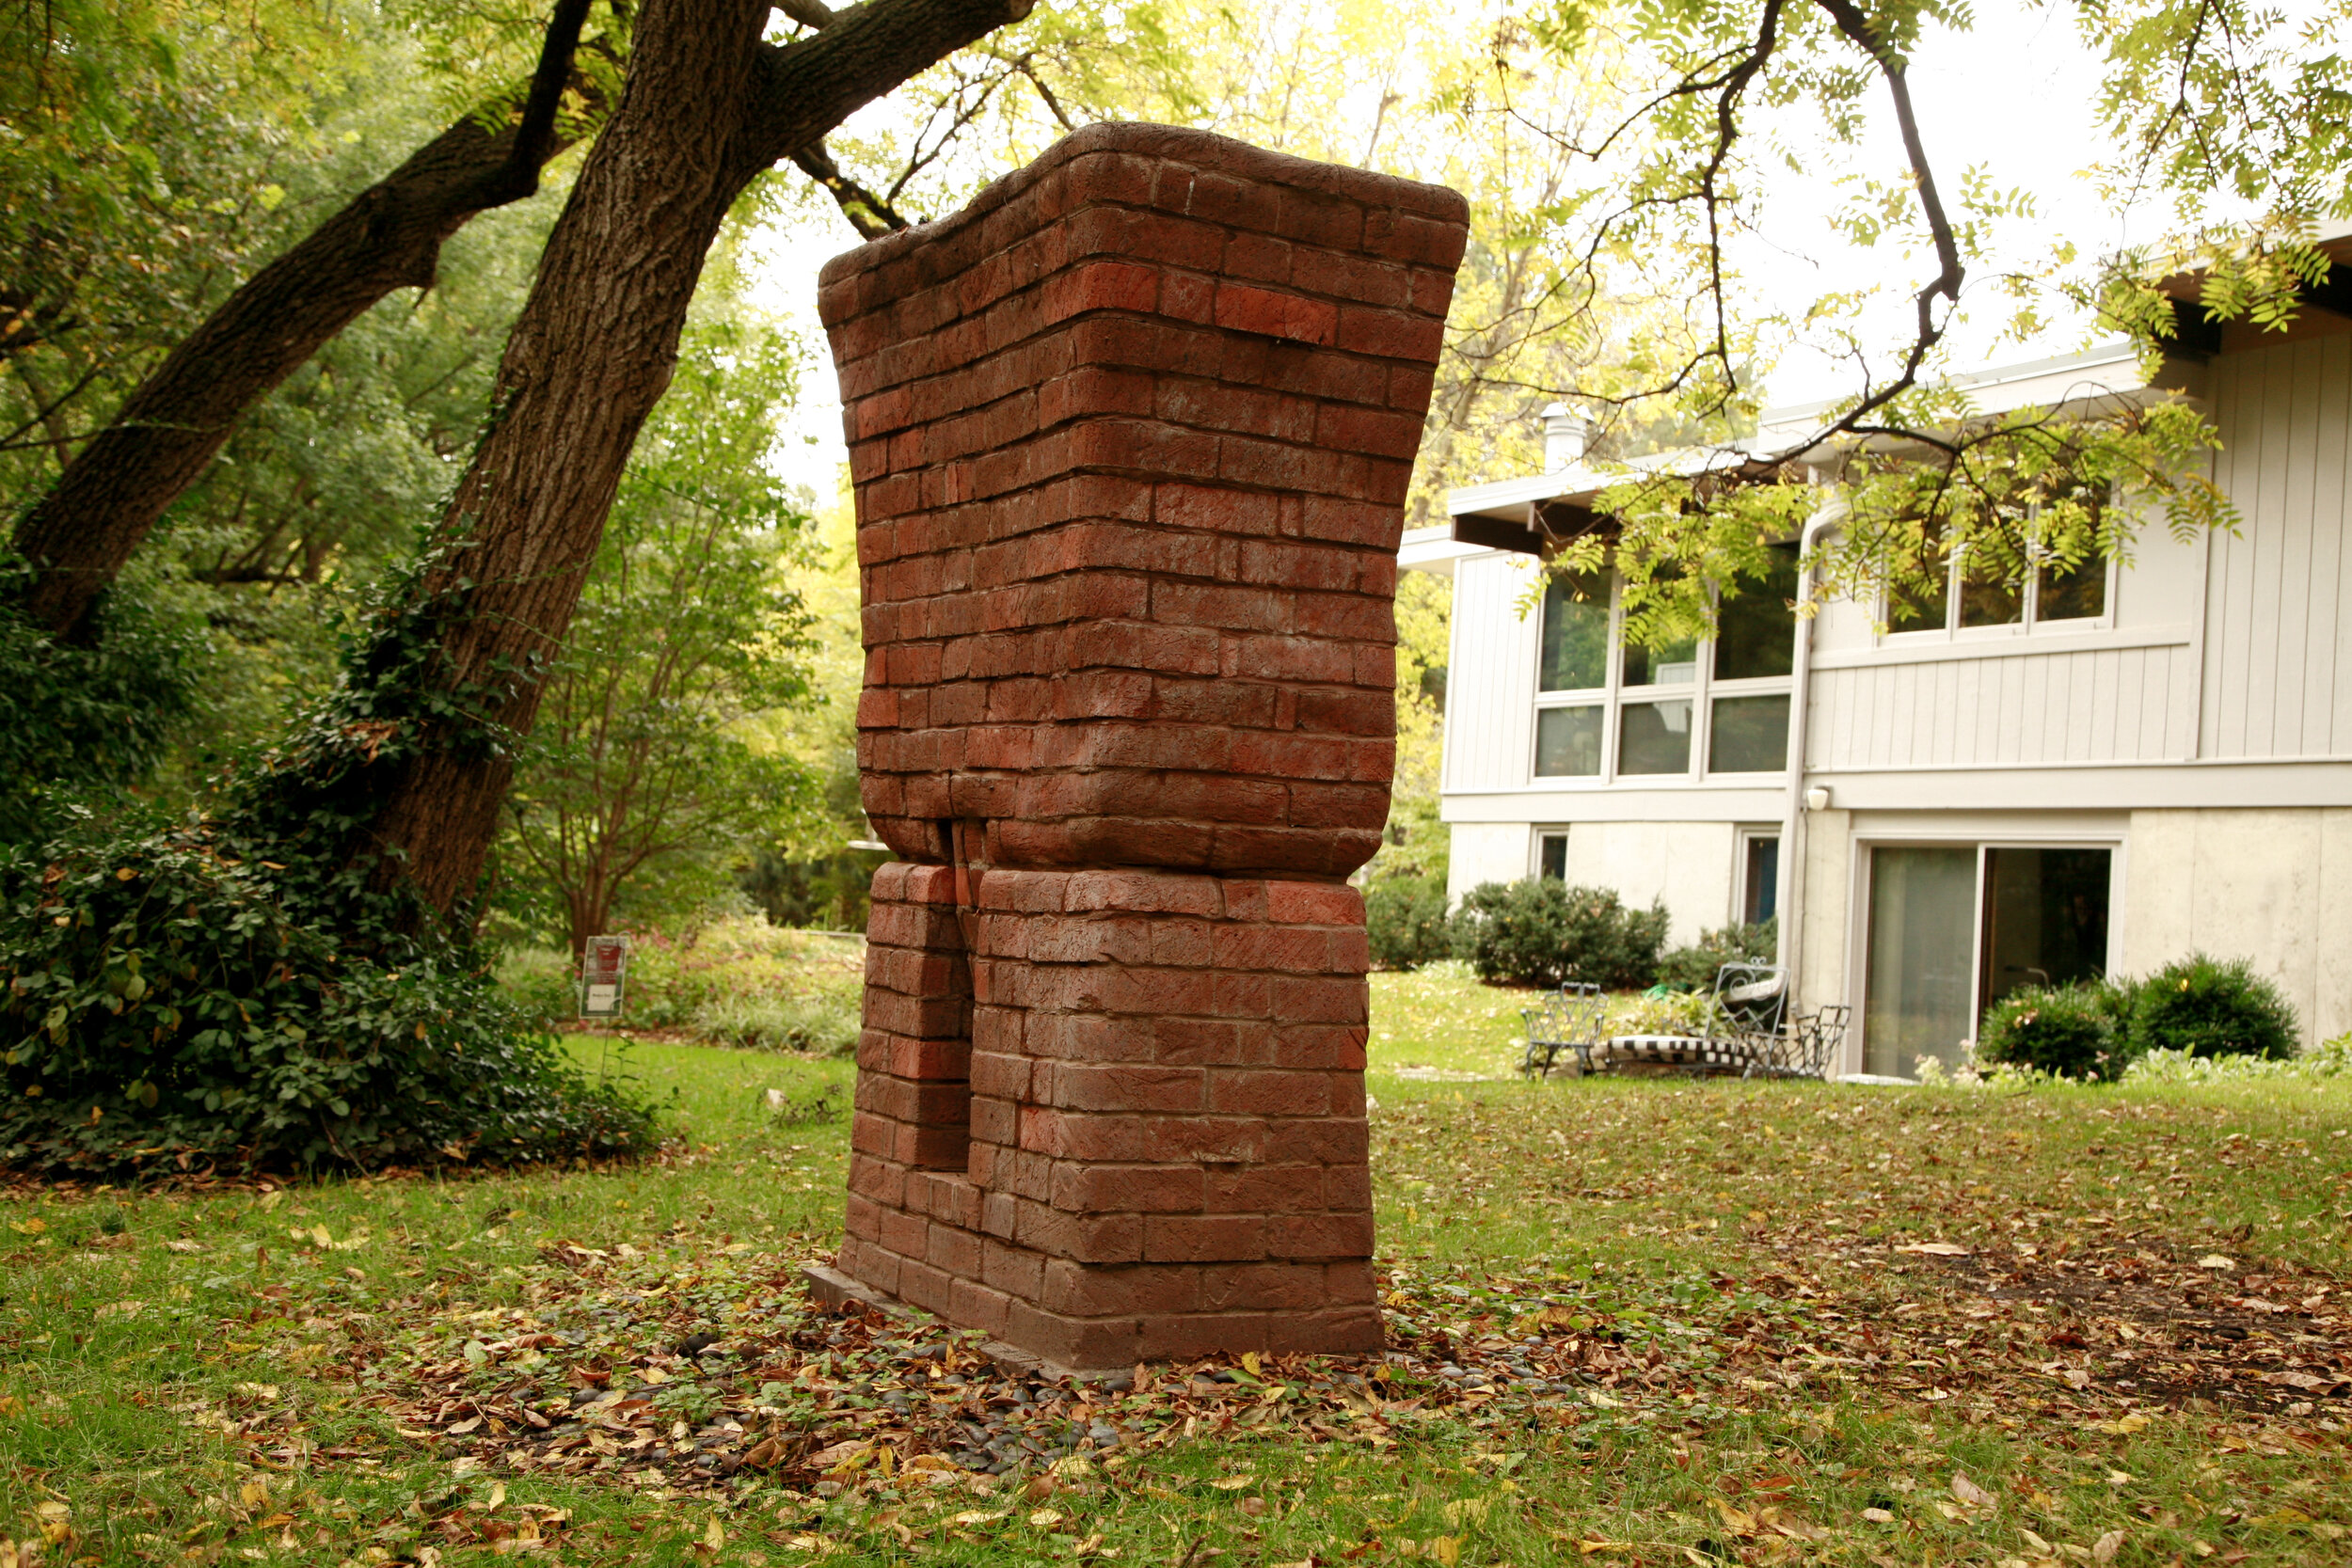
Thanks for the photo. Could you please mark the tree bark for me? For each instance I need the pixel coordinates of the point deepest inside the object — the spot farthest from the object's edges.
(707, 108)
(83, 532)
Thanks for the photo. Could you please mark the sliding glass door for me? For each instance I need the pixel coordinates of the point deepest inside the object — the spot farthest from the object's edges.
(1923, 908)
(1954, 928)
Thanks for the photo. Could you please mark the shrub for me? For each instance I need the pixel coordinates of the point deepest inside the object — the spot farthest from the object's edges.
(2207, 1007)
(1693, 968)
(2331, 1059)
(819, 1027)
(1540, 932)
(1405, 917)
(80, 721)
(163, 1006)
(2070, 1031)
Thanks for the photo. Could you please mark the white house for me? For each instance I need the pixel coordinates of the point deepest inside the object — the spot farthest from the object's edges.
(2100, 773)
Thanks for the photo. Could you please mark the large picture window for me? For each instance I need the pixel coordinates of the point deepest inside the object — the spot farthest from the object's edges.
(1608, 709)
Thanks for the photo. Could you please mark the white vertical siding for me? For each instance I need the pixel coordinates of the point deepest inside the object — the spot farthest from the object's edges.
(2276, 591)
(1490, 685)
(2091, 705)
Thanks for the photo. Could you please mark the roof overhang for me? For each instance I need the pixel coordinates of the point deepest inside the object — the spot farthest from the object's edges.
(1527, 514)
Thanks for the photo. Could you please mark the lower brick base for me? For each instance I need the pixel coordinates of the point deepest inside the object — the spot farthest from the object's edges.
(1116, 1116)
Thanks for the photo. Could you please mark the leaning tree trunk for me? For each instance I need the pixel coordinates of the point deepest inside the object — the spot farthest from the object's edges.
(707, 108)
(82, 533)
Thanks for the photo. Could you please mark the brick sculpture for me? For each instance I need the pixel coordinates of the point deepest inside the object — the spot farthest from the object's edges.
(1131, 436)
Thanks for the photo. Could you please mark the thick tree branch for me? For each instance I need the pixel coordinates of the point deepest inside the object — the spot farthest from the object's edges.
(811, 85)
(534, 134)
(81, 532)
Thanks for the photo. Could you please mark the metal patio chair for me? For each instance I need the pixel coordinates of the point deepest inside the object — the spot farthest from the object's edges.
(1810, 1045)
(1569, 1018)
(1743, 1034)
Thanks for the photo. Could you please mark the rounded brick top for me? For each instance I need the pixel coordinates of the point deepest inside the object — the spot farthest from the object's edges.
(1202, 149)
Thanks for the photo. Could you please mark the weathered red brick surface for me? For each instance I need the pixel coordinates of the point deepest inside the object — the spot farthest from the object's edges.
(1131, 436)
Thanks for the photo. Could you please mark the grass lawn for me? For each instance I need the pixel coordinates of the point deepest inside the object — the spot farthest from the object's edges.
(1638, 1322)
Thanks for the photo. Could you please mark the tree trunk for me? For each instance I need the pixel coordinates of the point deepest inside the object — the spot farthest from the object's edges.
(588, 912)
(708, 106)
(84, 531)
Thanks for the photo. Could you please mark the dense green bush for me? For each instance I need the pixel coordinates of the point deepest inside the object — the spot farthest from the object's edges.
(84, 719)
(2069, 1031)
(161, 1006)
(1539, 933)
(1693, 968)
(2207, 1007)
(1405, 917)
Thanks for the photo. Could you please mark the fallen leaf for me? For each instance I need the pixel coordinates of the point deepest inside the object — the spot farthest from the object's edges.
(2105, 1548)
(839, 1454)
(1937, 1249)
(1971, 1494)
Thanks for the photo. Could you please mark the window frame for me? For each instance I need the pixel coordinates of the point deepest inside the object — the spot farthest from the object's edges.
(2029, 623)
(1614, 697)
(1744, 891)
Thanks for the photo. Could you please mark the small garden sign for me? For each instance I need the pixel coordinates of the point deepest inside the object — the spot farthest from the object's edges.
(603, 967)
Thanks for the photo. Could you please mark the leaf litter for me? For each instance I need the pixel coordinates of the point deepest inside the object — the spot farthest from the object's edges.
(694, 1366)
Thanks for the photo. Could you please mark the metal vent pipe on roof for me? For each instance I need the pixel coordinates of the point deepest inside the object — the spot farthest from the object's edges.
(1565, 433)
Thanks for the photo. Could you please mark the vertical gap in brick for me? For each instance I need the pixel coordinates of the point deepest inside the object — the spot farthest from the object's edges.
(944, 1142)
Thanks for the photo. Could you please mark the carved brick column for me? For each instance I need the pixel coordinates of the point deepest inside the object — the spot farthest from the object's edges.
(1131, 436)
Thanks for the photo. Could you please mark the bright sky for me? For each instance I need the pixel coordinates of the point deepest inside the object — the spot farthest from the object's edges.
(2013, 96)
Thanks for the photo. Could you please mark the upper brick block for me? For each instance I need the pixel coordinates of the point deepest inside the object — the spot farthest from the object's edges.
(1131, 436)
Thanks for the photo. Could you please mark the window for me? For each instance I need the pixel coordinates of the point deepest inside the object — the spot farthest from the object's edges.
(1576, 633)
(2000, 602)
(1575, 657)
(1927, 605)
(1760, 879)
(1607, 709)
(2044, 587)
(1567, 742)
(1656, 738)
(1751, 735)
(2076, 593)
(1551, 856)
(1755, 628)
(1674, 665)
